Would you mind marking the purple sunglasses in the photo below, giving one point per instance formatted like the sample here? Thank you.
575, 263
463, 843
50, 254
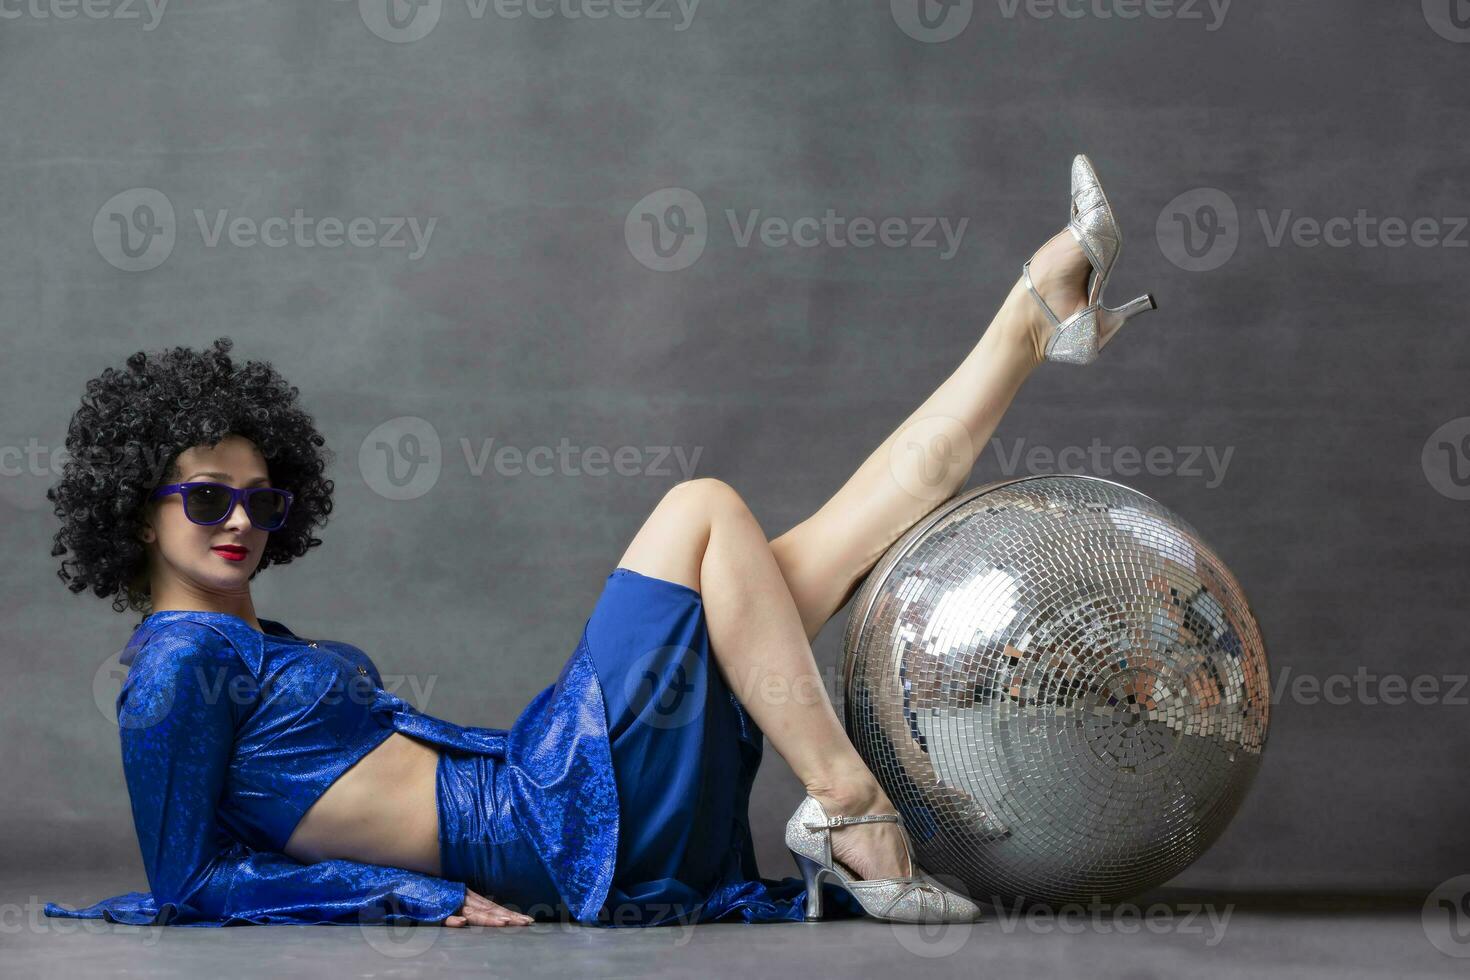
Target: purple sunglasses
210, 503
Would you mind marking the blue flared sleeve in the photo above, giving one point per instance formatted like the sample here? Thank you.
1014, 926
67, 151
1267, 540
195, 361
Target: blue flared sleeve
177, 715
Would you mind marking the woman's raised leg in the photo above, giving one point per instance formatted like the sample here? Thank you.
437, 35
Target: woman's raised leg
928, 458
764, 600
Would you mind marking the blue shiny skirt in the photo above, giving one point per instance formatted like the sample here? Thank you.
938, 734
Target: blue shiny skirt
685, 754
480, 842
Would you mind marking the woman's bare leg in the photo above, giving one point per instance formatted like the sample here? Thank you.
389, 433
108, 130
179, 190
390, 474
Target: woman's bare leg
928, 458
702, 535
763, 600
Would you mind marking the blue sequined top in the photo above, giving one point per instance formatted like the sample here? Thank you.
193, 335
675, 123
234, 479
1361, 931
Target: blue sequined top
229, 735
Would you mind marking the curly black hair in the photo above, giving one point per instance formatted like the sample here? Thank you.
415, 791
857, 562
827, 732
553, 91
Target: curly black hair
126, 438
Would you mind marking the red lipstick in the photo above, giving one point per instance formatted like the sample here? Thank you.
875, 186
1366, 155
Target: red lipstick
230, 552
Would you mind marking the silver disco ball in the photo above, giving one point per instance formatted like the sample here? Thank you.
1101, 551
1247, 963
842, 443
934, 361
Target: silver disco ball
1060, 686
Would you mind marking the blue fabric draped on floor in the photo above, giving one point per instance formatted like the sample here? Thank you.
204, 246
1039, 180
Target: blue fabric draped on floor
685, 754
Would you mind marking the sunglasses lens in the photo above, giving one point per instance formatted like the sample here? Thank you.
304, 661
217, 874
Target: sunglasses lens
205, 505
267, 509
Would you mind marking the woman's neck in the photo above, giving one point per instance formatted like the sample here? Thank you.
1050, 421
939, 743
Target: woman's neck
180, 595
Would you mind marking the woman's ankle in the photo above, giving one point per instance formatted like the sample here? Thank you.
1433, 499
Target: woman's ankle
850, 794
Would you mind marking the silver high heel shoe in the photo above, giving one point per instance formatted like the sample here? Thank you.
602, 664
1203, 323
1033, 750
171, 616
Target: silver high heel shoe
917, 898
1078, 339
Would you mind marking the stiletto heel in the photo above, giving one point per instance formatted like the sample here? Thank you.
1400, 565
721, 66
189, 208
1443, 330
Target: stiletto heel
811, 875
1078, 339
1135, 306
916, 898
1113, 320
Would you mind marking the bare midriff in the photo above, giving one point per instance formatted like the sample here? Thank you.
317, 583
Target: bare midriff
384, 810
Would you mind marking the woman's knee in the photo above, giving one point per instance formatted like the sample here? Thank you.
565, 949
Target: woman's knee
672, 542
708, 493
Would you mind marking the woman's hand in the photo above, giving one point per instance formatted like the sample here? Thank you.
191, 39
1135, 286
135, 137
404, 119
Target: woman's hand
478, 910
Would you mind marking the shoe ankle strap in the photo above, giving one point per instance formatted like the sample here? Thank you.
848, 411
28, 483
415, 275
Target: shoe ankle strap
1031, 288
843, 821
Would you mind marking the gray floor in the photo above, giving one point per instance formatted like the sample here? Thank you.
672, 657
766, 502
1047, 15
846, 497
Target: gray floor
1249, 935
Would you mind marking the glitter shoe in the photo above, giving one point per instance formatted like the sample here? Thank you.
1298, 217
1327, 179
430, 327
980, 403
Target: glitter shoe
917, 898
1078, 339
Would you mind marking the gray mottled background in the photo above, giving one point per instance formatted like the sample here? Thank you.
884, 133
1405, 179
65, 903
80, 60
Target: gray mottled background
1333, 374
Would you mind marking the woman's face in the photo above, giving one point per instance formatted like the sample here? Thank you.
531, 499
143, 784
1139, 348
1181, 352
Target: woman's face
183, 555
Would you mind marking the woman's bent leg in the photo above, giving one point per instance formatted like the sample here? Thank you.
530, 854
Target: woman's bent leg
703, 536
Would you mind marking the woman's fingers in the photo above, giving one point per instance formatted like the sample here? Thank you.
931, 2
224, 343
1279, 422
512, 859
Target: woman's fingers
501, 918
481, 911
496, 916
496, 911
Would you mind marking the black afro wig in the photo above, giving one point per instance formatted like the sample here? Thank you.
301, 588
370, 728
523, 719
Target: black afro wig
125, 440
